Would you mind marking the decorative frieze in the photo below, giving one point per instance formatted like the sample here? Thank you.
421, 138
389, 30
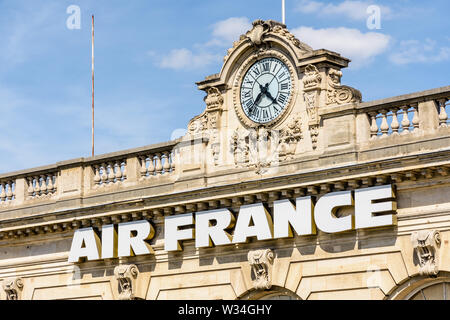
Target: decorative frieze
13, 288
126, 276
261, 262
426, 245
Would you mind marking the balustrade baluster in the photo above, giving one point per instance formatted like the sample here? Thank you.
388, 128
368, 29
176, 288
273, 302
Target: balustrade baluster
405, 120
30, 189
373, 126
104, 174
50, 186
118, 165
37, 187
3, 194
158, 163
111, 174
143, 170
172, 161
394, 124
44, 184
166, 165
97, 177
415, 119
442, 113
9, 193
384, 124
151, 166
124, 172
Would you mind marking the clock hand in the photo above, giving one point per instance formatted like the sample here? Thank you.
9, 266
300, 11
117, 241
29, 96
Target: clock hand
270, 97
258, 98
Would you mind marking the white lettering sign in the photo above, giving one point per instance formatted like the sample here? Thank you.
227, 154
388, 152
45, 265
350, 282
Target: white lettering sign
372, 207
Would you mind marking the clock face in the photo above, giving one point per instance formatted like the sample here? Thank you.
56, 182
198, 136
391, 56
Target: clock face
266, 90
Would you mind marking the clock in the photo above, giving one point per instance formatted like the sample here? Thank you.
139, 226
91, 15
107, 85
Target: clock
266, 90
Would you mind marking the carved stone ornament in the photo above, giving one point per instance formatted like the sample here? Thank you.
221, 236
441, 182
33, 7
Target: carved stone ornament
426, 245
312, 87
261, 262
289, 138
255, 148
207, 124
261, 30
13, 288
126, 276
337, 93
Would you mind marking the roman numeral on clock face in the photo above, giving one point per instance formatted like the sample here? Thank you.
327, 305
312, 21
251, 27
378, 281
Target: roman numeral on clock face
284, 86
282, 98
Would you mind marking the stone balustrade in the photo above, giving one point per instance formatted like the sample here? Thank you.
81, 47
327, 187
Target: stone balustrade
421, 112
110, 172
156, 164
41, 185
394, 121
7, 191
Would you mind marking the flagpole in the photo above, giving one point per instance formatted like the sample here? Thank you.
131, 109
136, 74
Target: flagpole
92, 85
283, 11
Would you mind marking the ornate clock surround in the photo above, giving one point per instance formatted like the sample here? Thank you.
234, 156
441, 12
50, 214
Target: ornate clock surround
259, 54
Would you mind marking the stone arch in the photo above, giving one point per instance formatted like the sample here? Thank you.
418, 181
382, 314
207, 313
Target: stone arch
274, 293
423, 288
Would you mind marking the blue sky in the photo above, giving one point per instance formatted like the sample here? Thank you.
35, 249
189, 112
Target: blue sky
149, 54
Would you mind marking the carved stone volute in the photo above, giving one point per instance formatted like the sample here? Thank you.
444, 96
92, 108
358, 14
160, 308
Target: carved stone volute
426, 245
126, 275
13, 288
340, 94
261, 262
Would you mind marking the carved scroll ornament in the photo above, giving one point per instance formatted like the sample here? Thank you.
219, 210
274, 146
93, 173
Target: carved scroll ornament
340, 94
126, 276
426, 246
13, 288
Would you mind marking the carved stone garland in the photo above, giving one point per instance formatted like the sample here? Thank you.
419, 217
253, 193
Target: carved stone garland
126, 276
261, 262
13, 288
426, 246
311, 84
337, 93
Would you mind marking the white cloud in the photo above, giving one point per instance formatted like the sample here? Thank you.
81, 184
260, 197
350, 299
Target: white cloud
224, 33
356, 10
229, 30
360, 47
183, 58
414, 51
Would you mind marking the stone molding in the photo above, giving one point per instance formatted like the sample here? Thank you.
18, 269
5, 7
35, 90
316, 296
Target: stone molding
426, 245
126, 276
261, 262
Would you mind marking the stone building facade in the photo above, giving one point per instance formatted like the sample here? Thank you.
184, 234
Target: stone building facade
307, 137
